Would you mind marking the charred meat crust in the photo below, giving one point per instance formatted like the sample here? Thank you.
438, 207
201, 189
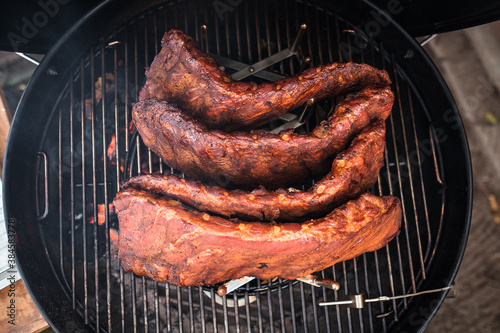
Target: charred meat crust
353, 171
188, 77
166, 241
254, 158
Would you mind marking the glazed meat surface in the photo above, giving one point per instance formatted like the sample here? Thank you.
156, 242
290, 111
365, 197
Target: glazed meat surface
188, 77
353, 171
257, 157
161, 239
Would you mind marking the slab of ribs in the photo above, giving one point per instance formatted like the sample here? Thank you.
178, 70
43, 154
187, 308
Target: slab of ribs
352, 172
235, 213
190, 78
164, 240
255, 157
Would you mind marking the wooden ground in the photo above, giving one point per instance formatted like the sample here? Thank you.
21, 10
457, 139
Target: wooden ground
470, 62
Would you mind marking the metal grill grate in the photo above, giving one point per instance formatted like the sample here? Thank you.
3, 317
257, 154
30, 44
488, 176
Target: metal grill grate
95, 148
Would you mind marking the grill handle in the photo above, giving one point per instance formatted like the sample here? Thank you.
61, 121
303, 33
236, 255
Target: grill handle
42, 173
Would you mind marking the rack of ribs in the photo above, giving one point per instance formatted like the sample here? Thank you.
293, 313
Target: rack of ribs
257, 157
164, 240
353, 171
184, 75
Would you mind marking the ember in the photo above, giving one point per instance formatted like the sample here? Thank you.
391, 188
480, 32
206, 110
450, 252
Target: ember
101, 213
111, 148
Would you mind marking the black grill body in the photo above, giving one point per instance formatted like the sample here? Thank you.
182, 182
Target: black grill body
59, 180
